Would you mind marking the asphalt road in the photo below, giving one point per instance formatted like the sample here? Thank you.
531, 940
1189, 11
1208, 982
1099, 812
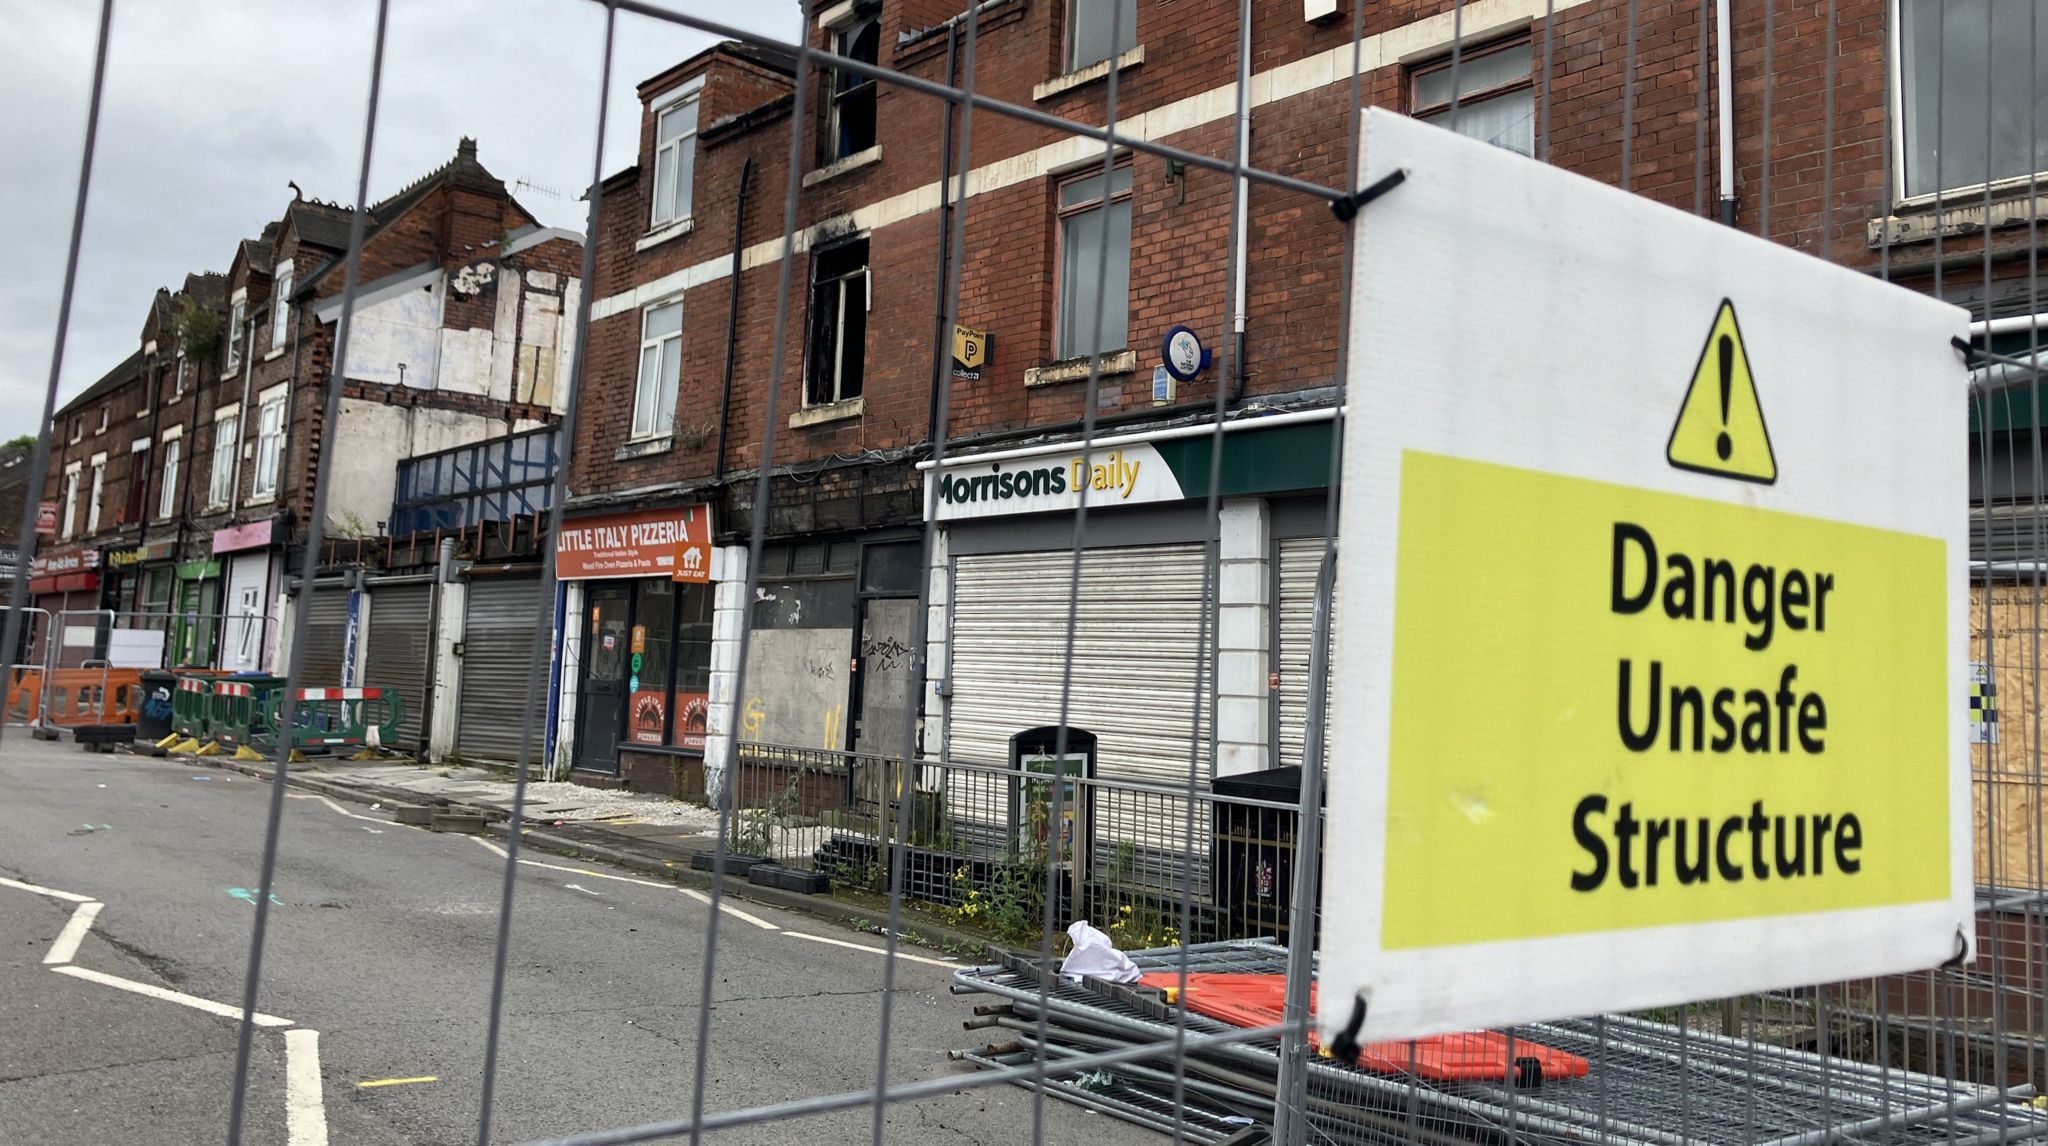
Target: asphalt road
381, 941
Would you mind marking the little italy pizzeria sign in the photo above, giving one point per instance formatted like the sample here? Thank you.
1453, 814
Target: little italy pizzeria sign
673, 543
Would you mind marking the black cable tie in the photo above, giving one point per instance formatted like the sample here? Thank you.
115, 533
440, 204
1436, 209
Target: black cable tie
1345, 207
1962, 950
1964, 348
1344, 1048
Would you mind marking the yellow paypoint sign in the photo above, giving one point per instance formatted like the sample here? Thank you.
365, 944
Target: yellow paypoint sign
1636, 699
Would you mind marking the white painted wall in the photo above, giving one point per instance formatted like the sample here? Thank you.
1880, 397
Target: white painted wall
571, 636
406, 328
447, 668
376, 438
728, 614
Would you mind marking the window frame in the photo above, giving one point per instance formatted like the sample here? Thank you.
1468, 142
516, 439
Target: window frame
1900, 158
269, 444
1062, 213
73, 471
106, 416
167, 496
1464, 56
99, 490
838, 352
178, 386
659, 343
227, 423
1070, 46
280, 302
669, 103
135, 511
238, 313
843, 37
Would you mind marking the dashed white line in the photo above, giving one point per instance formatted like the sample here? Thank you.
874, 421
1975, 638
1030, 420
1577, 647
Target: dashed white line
905, 955
73, 934
305, 1115
167, 995
53, 893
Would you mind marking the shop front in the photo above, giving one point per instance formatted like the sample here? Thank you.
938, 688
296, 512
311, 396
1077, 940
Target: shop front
637, 601
65, 583
1147, 616
248, 638
195, 613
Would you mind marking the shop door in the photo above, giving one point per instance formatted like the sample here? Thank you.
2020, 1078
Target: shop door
326, 634
601, 695
500, 624
888, 676
399, 645
244, 629
197, 602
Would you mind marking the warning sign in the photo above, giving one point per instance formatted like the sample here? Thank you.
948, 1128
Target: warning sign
1707, 735
1720, 428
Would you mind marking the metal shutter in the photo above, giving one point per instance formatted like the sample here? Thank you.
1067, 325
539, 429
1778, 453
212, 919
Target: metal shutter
1137, 648
1300, 559
399, 644
498, 629
326, 606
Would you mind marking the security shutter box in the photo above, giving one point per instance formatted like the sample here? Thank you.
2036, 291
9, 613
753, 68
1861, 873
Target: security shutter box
501, 620
326, 634
1136, 664
400, 644
1301, 558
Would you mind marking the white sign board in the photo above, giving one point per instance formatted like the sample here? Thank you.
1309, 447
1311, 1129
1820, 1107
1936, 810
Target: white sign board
1650, 672
135, 648
1110, 475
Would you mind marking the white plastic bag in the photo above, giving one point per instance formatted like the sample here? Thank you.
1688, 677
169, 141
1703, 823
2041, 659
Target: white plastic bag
1095, 955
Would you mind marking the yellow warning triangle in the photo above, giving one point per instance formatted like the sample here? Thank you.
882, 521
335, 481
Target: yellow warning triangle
1720, 428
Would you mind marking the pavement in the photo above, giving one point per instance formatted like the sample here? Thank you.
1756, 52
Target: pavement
377, 972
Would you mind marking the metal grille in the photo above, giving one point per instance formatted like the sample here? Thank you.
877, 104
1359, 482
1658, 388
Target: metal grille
1947, 1055
498, 632
398, 648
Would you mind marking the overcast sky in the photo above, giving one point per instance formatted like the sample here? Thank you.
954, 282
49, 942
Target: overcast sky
211, 106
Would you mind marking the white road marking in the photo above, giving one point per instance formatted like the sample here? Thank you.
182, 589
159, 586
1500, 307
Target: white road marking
52, 892
305, 1117
338, 809
876, 950
167, 995
579, 887
693, 893
73, 934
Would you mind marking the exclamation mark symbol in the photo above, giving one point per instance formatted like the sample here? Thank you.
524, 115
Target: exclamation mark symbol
1725, 445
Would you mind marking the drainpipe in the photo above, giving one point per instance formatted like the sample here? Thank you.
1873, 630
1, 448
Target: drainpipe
1724, 53
732, 313
1244, 159
941, 337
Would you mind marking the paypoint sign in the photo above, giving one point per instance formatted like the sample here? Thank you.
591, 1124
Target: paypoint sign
1653, 691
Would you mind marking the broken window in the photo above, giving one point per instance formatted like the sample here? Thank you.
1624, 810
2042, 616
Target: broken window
839, 324
853, 94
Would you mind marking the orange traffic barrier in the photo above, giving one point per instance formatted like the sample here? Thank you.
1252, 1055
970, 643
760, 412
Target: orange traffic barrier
93, 696
24, 694
1253, 1000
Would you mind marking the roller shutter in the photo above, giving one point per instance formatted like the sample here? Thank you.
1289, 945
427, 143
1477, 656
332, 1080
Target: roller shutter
498, 628
1300, 559
326, 634
399, 645
1136, 657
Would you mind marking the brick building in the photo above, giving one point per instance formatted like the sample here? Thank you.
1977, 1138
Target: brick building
183, 478
679, 371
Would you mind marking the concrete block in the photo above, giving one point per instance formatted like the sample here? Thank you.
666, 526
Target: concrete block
1242, 627
461, 822
417, 815
1244, 583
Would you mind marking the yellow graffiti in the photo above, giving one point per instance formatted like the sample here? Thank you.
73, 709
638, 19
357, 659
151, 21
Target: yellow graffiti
835, 726
750, 723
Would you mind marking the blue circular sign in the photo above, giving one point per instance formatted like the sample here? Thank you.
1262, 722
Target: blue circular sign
1183, 354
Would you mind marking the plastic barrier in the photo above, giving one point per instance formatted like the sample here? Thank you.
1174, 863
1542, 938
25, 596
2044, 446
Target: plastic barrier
189, 704
78, 697
1254, 1000
240, 716
24, 694
324, 719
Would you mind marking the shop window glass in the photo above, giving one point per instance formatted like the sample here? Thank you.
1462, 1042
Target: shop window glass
893, 568
647, 667
692, 666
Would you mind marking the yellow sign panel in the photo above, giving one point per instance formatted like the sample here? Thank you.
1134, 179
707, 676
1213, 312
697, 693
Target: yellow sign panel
1720, 427
1615, 708
970, 352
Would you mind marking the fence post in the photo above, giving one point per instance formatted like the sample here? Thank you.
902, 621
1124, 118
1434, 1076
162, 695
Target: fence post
1290, 1126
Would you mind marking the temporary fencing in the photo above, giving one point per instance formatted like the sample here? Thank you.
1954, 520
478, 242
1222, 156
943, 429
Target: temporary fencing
1948, 1055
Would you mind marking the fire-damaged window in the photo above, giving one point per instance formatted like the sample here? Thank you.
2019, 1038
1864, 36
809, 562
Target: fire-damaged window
839, 324
853, 94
